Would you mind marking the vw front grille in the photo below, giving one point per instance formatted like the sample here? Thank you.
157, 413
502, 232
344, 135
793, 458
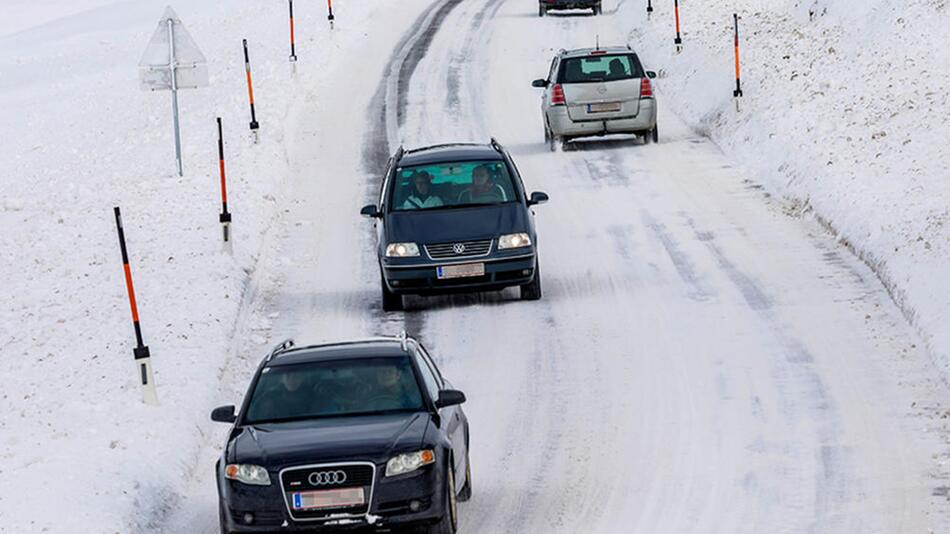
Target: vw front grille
459, 249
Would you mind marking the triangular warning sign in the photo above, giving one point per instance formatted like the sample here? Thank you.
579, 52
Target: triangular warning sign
190, 70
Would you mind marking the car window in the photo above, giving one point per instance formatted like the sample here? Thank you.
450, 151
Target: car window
333, 389
429, 375
451, 185
601, 68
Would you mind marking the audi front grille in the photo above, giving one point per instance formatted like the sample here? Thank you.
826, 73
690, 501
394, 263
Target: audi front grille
328, 477
459, 249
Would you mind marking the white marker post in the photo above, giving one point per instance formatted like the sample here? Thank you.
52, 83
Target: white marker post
172, 61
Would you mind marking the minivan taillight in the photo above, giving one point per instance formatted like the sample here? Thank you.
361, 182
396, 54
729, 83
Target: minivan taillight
646, 88
557, 95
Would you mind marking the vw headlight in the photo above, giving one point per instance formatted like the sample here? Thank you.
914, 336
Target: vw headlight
254, 475
514, 241
409, 462
402, 250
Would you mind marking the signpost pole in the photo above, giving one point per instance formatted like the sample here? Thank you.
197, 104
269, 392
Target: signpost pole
678, 41
737, 94
172, 68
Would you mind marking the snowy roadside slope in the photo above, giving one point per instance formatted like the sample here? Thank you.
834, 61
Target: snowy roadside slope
78, 138
845, 116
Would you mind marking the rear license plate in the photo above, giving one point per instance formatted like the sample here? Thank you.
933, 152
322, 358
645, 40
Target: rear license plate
335, 498
460, 271
604, 107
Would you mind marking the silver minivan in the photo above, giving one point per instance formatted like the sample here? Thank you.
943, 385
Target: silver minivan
597, 91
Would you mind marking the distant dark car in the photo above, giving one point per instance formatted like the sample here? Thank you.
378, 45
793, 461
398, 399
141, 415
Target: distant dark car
549, 5
360, 435
455, 218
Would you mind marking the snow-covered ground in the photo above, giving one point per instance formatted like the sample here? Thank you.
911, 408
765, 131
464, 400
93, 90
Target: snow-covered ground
704, 360
844, 114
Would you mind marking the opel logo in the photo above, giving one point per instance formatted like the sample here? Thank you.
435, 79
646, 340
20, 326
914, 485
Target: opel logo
459, 248
602, 90
327, 478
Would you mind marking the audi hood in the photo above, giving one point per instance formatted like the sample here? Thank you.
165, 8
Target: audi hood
276, 445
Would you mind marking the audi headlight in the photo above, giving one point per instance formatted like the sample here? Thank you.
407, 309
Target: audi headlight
402, 250
514, 241
409, 462
254, 475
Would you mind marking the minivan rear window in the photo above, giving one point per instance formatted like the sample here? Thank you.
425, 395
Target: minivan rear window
600, 68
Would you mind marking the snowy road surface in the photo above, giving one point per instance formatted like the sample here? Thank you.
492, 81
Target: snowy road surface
702, 360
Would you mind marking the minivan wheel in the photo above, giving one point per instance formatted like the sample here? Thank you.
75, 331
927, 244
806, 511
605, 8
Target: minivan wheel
532, 290
391, 301
598, 9
541, 11
466, 492
448, 524
656, 134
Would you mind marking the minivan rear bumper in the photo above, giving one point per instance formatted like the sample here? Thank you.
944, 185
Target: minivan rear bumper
561, 124
422, 278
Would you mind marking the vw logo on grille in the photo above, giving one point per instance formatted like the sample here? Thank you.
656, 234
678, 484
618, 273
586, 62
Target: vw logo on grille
327, 478
458, 248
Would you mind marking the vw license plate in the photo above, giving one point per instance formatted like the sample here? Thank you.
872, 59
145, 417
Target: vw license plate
335, 498
604, 107
460, 271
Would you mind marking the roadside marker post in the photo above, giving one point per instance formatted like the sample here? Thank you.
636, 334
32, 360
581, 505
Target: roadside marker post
172, 61
649, 9
143, 360
330, 11
225, 217
737, 94
250, 94
293, 50
678, 41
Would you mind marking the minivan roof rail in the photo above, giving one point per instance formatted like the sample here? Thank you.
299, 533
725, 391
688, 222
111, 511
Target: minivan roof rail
283, 346
496, 145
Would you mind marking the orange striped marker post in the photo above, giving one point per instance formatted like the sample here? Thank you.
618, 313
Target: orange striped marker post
293, 51
330, 10
250, 93
225, 217
143, 360
649, 9
738, 92
678, 41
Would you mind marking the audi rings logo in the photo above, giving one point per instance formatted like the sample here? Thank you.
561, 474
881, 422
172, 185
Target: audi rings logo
327, 478
458, 248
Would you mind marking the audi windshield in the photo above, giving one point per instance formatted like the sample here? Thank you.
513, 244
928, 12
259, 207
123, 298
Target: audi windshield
452, 185
337, 388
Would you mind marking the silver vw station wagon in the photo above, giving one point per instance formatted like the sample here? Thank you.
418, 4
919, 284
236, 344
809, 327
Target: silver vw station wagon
597, 91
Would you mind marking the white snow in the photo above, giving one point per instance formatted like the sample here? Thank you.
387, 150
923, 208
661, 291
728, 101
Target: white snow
702, 360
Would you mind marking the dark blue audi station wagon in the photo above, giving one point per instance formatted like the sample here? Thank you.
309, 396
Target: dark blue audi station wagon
455, 218
363, 435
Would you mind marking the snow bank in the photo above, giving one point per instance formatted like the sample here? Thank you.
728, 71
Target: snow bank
79, 138
845, 115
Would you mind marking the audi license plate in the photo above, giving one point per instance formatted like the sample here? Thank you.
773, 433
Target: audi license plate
335, 498
604, 107
465, 270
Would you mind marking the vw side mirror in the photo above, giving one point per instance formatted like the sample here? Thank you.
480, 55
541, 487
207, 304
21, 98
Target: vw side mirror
449, 397
370, 211
538, 197
539, 83
651, 74
224, 414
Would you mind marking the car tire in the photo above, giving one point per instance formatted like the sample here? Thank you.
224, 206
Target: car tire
532, 290
541, 11
598, 9
466, 493
448, 524
655, 134
391, 301
553, 141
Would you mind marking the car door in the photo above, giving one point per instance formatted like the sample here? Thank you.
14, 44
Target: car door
452, 420
552, 79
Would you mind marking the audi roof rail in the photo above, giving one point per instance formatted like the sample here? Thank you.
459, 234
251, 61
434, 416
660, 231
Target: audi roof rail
283, 346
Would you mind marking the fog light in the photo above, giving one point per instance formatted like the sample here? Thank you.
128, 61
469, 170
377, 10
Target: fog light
526, 272
415, 506
248, 518
394, 283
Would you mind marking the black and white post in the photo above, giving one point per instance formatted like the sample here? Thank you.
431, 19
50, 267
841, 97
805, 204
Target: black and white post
143, 360
330, 12
649, 9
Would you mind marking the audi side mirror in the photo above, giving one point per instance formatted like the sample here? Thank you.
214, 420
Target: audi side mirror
224, 414
449, 397
370, 211
651, 74
538, 197
539, 83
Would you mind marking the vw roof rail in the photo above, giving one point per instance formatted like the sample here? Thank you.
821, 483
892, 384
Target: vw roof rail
283, 346
496, 145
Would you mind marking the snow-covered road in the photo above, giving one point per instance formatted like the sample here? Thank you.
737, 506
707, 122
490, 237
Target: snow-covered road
702, 360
